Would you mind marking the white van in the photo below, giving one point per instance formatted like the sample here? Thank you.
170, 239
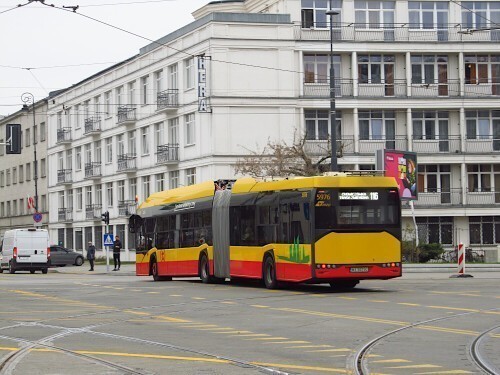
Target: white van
25, 250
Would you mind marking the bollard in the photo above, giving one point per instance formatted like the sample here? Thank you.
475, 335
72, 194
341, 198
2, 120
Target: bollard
461, 262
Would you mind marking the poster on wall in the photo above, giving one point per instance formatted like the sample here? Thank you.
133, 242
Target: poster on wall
402, 165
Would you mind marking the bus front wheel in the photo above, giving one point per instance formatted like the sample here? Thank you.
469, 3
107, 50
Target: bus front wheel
270, 273
155, 272
205, 270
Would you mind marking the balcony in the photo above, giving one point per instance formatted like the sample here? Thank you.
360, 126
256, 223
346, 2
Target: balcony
320, 88
369, 146
437, 145
92, 125
64, 176
481, 89
395, 89
483, 198
167, 100
65, 215
167, 154
63, 136
127, 163
93, 170
439, 198
450, 88
93, 212
360, 32
127, 207
321, 147
482, 144
126, 115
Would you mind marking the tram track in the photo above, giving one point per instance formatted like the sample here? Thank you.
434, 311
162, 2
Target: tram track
359, 359
477, 357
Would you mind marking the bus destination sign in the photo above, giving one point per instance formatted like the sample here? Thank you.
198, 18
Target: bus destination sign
359, 195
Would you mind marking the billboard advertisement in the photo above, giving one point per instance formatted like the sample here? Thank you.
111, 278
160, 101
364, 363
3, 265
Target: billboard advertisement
402, 165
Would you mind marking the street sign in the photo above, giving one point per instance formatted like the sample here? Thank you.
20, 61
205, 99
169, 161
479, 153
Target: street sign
13, 139
37, 217
108, 239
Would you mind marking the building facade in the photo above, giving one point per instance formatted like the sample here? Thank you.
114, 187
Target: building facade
418, 76
17, 171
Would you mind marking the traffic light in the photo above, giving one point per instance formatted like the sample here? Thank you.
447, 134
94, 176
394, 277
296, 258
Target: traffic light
105, 217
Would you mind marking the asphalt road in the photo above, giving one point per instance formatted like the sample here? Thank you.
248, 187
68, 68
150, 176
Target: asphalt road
72, 321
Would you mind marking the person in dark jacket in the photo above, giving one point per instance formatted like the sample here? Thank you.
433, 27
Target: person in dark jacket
91, 255
117, 247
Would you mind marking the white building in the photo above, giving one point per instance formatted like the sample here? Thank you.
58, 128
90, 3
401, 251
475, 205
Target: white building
408, 76
17, 171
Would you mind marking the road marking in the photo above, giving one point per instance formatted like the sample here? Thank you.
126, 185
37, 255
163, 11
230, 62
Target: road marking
317, 295
153, 292
323, 369
329, 350
231, 332
200, 326
408, 304
287, 342
252, 335
175, 295
309, 346
267, 338
451, 372
217, 329
453, 308
377, 301
9, 349
449, 330
348, 298
392, 361
260, 306
416, 366
229, 303
170, 319
197, 298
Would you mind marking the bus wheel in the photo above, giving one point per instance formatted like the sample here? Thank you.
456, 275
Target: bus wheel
11, 267
205, 270
154, 271
345, 284
270, 274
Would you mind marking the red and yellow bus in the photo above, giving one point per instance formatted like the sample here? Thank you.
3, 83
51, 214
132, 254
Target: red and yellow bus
336, 229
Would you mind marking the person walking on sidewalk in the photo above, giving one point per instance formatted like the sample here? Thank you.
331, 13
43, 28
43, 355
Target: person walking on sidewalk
117, 247
91, 255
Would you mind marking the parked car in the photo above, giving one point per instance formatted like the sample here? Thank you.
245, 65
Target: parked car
25, 250
60, 257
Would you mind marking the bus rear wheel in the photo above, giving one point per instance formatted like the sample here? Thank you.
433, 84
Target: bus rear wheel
205, 270
269, 273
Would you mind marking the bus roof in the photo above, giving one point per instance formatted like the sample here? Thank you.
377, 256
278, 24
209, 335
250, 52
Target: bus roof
248, 184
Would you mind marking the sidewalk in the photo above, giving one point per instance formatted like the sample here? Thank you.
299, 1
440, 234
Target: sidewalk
127, 269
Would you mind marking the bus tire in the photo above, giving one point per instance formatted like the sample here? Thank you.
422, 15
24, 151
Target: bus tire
205, 270
154, 272
12, 268
344, 284
269, 273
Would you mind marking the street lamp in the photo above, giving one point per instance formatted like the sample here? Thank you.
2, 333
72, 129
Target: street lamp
333, 118
29, 98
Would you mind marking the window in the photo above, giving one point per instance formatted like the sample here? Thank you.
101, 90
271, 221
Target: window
7, 177
190, 137
21, 173
434, 178
483, 69
97, 106
435, 230
160, 182
2, 152
42, 131
189, 71
482, 177
59, 120
428, 15
14, 208
317, 68
43, 168
69, 120
109, 194
146, 187
314, 13
131, 143
61, 199
69, 200
120, 144
107, 103
78, 158
158, 82
158, 134
2, 179
2, 209
28, 172
78, 120
14, 175
8, 209
132, 188
60, 161
172, 77
119, 97
173, 131
144, 90
430, 124
429, 69
174, 179
88, 195
22, 208
86, 109
377, 125
69, 159
98, 195
480, 14
27, 138
88, 153
318, 124
131, 93
109, 150
121, 191
484, 124
145, 140
484, 230
374, 14
190, 176
376, 69
79, 198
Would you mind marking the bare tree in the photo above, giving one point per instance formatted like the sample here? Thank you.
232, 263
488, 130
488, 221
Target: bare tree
280, 159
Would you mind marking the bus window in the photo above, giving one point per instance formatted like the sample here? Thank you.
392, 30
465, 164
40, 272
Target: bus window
243, 225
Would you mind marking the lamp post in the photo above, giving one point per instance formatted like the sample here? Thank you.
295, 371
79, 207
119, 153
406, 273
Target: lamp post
333, 118
29, 98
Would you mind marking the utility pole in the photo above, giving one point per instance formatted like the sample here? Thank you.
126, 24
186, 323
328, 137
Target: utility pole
28, 98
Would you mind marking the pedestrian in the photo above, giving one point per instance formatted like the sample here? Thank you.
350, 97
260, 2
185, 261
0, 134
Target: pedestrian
117, 247
91, 255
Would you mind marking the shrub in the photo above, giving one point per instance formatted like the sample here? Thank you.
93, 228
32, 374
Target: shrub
429, 251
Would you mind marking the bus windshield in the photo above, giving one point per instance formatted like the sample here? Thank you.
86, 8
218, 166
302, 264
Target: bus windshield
340, 208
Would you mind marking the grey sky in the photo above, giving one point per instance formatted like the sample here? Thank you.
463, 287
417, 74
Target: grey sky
64, 47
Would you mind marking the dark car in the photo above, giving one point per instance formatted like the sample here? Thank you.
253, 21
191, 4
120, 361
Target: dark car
60, 256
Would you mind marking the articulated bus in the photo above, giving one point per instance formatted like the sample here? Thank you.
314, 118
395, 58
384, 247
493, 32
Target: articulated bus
337, 229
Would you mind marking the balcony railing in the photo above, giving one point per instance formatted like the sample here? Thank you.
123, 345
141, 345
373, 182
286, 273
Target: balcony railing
482, 144
166, 154
483, 89
168, 99
362, 32
126, 115
93, 211
320, 88
92, 170
63, 135
127, 163
449, 88
127, 207
369, 146
397, 88
436, 145
483, 197
439, 198
64, 176
92, 125
320, 147
65, 214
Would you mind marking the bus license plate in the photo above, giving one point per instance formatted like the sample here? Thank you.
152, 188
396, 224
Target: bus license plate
359, 269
